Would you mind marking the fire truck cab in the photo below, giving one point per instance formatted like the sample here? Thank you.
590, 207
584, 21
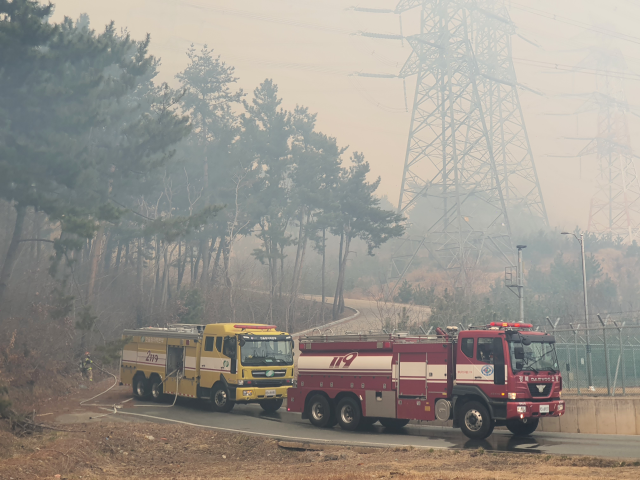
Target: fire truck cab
503, 374
224, 363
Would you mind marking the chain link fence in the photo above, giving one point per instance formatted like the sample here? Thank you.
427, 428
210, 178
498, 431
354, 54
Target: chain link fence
603, 359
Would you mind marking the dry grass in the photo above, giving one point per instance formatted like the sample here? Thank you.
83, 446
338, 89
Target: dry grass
142, 450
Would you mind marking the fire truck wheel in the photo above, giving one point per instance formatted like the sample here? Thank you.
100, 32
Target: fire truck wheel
271, 406
319, 412
349, 413
393, 423
475, 421
519, 428
220, 399
156, 388
141, 386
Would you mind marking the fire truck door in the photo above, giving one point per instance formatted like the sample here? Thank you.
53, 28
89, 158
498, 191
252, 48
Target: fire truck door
413, 374
175, 368
188, 385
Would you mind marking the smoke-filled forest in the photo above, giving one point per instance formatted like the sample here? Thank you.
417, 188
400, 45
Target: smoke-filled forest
129, 202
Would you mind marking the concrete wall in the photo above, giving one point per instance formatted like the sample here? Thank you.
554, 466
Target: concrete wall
602, 415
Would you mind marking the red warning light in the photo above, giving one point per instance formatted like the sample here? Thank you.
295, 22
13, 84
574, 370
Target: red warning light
510, 325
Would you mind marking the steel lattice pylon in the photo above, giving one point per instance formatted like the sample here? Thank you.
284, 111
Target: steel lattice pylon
492, 29
615, 207
468, 153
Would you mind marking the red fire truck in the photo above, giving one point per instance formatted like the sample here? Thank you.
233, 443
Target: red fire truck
503, 374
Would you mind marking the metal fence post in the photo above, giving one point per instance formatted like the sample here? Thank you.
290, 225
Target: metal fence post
620, 360
606, 353
575, 343
633, 354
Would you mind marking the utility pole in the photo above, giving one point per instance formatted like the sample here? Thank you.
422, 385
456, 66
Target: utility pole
521, 282
586, 308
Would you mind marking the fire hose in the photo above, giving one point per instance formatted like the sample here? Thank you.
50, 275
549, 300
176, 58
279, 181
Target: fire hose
115, 406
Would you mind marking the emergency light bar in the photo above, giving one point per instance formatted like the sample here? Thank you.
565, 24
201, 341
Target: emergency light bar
510, 325
255, 327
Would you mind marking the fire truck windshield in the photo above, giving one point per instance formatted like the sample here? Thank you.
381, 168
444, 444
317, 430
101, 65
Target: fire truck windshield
539, 354
257, 351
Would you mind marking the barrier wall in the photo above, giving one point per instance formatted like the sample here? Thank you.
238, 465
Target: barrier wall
615, 416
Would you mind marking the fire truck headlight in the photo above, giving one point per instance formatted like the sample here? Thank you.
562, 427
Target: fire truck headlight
522, 409
240, 382
560, 407
511, 396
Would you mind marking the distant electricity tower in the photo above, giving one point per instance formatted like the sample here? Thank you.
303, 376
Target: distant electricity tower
615, 206
468, 167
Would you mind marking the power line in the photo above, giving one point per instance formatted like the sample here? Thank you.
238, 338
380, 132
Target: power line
576, 23
570, 68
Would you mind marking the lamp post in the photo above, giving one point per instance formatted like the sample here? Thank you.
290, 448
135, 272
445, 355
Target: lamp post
586, 307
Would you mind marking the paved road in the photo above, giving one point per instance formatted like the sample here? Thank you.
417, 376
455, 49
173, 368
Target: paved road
372, 315
283, 425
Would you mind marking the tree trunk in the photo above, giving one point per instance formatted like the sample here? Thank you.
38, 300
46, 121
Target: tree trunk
336, 297
95, 257
225, 258
206, 260
127, 256
182, 264
12, 253
165, 279
324, 255
108, 253
139, 265
216, 262
298, 253
195, 267
118, 256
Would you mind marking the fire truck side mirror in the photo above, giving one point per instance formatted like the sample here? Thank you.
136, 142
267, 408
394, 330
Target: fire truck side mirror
518, 352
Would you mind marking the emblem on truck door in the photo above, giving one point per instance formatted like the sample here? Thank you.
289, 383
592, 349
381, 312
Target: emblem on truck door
345, 360
487, 370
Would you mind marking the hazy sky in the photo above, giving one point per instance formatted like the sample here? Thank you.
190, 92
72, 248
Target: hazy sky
309, 48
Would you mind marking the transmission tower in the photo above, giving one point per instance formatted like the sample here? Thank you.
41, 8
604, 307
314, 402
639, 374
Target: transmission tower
615, 206
468, 155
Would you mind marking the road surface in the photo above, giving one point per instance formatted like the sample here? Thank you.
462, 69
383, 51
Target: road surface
372, 315
250, 419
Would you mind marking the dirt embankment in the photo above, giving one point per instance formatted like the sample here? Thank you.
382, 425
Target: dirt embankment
161, 451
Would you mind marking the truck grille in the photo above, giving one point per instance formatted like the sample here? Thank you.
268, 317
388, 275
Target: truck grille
268, 383
263, 373
540, 392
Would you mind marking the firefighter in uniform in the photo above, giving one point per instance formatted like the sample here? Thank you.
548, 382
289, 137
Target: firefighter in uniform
86, 366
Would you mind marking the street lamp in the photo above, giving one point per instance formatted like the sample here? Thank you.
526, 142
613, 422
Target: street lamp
586, 307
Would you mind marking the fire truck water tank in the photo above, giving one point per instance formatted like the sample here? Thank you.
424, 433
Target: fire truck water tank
443, 409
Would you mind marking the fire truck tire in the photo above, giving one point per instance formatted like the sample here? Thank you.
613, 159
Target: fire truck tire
475, 421
221, 399
320, 413
157, 390
349, 413
141, 386
271, 406
393, 423
521, 429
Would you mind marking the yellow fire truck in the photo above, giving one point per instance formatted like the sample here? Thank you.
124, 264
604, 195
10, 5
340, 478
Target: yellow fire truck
223, 363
